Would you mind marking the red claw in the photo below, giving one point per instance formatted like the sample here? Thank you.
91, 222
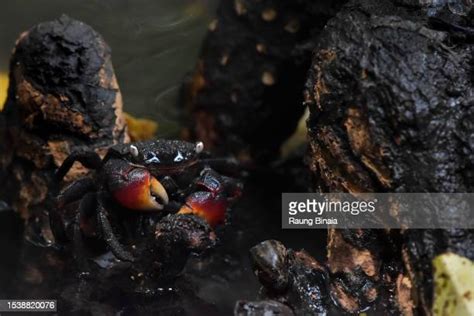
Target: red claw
207, 206
139, 190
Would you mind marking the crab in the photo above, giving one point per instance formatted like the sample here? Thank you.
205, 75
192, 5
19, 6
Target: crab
156, 177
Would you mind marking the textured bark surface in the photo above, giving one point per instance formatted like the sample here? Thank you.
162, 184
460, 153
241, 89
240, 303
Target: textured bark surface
63, 97
246, 92
391, 99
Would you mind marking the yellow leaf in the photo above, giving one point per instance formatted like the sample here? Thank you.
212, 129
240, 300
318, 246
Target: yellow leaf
195, 9
3, 88
454, 285
297, 139
140, 129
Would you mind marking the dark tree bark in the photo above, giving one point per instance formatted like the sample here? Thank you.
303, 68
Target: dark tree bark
391, 95
246, 92
63, 97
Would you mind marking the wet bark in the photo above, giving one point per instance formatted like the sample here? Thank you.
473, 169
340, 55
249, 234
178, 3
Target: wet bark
63, 97
245, 95
390, 94
290, 277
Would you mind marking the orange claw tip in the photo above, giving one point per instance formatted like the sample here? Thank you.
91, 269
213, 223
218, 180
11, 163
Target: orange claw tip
204, 205
141, 192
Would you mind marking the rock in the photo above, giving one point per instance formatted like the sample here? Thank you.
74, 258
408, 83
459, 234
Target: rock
63, 97
307, 290
292, 277
163, 255
270, 264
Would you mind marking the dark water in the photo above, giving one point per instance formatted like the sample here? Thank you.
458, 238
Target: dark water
154, 44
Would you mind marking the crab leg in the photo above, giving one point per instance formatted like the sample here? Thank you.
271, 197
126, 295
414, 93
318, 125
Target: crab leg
89, 159
78, 244
110, 239
230, 166
75, 191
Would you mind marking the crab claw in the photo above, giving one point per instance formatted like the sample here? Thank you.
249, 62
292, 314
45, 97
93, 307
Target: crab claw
207, 206
139, 190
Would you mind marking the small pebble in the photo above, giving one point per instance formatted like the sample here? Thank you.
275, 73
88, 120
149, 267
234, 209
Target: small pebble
261, 48
234, 98
269, 15
224, 59
268, 79
292, 26
213, 25
240, 8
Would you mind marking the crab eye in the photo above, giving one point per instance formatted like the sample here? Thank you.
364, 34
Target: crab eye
150, 157
199, 147
179, 157
133, 150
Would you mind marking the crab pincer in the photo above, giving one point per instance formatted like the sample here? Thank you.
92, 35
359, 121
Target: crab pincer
213, 199
136, 188
206, 206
